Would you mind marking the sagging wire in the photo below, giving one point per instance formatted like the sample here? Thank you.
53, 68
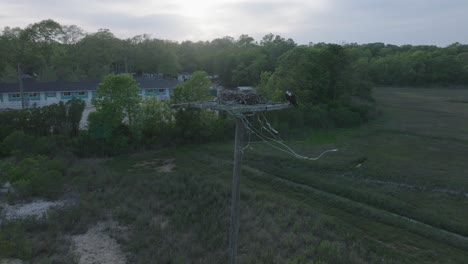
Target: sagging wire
283, 147
248, 143
269, 128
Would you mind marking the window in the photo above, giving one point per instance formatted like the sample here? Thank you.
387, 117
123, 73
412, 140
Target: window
14, 97
51, 94
162, 90
33, 95
149, 90
82, 93
66, 93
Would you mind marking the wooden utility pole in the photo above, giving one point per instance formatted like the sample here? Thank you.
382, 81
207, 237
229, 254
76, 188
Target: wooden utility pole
236, 173
20, 81
235, 110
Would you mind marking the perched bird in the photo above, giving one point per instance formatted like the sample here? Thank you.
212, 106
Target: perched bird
291, 98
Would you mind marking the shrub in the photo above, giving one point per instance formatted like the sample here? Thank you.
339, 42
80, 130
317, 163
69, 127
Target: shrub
62, 118
13, 242
23, 144
35, 175
317, 116
344, 117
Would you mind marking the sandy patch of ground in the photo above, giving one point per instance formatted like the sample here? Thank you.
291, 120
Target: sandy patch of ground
97, 246
35, 208
161, 165
11, 261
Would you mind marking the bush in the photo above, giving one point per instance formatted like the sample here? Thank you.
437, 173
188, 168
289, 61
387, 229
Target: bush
86, 145
14, 243
3, 151
366, 112
22, 144
334, 114
62, 118
35, 176
317, 116
344, 117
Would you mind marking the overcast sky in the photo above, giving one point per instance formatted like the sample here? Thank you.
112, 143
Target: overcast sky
434, 22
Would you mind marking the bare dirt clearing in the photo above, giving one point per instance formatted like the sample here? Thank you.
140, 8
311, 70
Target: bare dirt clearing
161, 165
11, 261
36, 208
97, 246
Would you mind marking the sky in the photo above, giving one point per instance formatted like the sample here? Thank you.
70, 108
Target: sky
399, 22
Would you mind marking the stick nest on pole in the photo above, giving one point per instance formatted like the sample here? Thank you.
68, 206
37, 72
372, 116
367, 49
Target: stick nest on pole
240, 97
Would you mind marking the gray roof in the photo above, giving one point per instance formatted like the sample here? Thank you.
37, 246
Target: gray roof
59, 86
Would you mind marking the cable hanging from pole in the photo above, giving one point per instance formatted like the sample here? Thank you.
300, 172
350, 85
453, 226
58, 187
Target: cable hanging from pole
280, 145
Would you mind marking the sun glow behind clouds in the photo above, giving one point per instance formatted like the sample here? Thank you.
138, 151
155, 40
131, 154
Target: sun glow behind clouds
207, 19
233, 17
362, 21
175, 19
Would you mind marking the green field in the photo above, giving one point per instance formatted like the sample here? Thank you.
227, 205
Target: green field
396, 192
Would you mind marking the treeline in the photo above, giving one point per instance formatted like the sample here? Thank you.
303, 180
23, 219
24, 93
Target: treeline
50, 51
414, 65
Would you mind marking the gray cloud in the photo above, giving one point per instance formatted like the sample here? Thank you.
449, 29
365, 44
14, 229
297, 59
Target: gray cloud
398, 22
91, 15
436, 22
158, 25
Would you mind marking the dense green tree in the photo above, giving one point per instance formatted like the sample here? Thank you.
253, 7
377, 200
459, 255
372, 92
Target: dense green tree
72, 34
117, 99
250, 63
196, 88
193, 124
189, 56
96, 53
245, 41
157, 121
75, 108
18, 49
275, 46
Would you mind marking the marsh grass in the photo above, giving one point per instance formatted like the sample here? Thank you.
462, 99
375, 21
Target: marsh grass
292, 211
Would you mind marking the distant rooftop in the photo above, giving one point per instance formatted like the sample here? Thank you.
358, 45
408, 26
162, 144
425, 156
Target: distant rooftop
59, 86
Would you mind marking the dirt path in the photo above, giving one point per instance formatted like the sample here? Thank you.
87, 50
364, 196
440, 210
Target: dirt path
96, 246
84, 117
11, 261
35, 208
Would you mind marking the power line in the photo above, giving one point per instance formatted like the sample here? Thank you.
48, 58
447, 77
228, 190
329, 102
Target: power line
281, 146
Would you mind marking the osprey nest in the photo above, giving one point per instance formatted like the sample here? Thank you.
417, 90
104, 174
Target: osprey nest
240, 97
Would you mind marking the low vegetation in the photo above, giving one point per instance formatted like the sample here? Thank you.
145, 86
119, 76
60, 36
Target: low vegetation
343, 208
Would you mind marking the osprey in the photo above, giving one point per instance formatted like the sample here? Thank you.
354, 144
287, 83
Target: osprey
291, 98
